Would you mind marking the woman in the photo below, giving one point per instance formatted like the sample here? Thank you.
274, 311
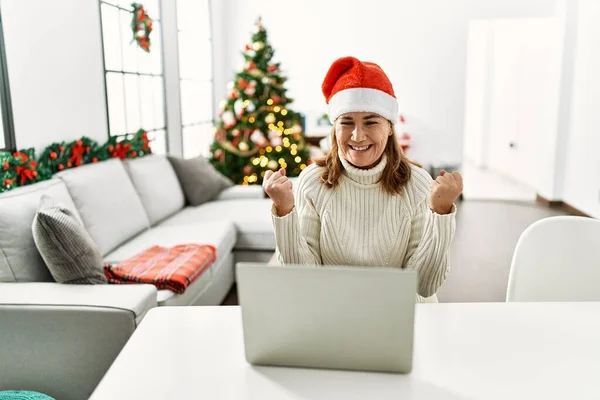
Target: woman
365, 204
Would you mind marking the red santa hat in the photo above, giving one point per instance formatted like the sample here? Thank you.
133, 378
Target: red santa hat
352, 85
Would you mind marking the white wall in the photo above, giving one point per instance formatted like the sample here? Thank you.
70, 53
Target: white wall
480, 50
421, 45
55, 68
582, 178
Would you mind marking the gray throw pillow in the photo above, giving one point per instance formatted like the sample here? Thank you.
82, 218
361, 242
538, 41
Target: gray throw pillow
67, 249
200, 181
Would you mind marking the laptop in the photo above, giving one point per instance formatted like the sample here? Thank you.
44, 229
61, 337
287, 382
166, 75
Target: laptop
331, 317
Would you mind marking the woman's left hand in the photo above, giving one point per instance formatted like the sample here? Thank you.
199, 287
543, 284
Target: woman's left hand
444, 191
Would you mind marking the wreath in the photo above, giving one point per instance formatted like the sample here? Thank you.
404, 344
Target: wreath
141, 25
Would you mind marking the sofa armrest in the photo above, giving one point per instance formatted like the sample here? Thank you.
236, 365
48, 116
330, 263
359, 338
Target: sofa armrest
137, 299
61, 339
241, 192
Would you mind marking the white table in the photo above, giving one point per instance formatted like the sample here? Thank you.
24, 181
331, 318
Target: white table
462, 351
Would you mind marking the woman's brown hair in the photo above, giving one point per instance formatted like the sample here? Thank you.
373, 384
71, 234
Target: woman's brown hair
396, 173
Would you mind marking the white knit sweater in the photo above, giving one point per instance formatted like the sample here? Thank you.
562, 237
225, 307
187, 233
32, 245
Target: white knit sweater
359, 224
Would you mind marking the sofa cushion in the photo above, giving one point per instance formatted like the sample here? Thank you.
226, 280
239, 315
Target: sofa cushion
200, 181
251, 217
68, 250
20, 260
220, 234
157, 185
107, 201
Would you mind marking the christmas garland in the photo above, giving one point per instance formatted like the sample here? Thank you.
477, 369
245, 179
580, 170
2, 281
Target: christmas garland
141, 25
21, 167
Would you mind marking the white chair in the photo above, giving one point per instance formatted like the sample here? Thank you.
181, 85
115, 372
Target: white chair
557, 259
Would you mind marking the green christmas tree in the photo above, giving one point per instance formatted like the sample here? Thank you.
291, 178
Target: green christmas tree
256, 130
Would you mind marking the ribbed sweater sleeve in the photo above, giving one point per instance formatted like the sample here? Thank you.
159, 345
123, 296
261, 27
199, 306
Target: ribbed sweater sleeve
297, 233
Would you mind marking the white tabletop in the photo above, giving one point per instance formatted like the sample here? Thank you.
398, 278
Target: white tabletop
462, 351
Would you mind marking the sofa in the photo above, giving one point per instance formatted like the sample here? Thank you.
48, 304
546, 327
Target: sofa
60, 339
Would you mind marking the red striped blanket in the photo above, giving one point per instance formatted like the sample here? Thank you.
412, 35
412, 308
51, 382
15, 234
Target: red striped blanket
173, 268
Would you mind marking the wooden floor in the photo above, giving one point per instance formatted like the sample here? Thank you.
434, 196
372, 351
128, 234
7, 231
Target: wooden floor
486, 235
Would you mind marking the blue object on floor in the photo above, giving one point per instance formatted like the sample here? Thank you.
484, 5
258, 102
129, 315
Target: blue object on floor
23, 395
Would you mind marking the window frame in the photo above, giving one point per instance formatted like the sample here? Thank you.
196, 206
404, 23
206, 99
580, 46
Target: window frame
210, 80
10, 142
124, 73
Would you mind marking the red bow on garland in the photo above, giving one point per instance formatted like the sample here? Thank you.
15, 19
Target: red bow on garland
26, 171
77, 152
121, 150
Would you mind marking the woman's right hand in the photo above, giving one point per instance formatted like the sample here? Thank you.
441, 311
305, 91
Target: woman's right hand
279, 188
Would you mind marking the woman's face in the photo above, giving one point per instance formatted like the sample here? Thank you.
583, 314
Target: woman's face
362, 137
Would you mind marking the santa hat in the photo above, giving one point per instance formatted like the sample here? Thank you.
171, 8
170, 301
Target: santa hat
352, 85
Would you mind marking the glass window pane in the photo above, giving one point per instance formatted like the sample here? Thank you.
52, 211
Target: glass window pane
196, 102
197, 140
158, 141
116, 103
110, 34
146, 60
156, 48
159, 105
195, 57
147, 102
130, 47
132, 103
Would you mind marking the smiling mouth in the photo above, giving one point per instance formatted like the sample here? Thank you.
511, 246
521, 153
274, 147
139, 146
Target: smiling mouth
360, 148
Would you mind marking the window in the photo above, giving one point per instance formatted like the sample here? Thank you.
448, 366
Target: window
134, 78
195, 72
7, 132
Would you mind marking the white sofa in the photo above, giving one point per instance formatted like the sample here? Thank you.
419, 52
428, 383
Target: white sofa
60, 339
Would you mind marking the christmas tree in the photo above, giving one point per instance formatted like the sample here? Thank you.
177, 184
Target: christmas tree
256, 130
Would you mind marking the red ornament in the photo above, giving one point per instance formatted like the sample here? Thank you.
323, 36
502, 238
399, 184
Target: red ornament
251, 66
276, 99
272, 68
6, 165
53, 155
35, 174
242, 83
60, 167
87, 149
111, 148
61, 148
233, 94
69, 164
133, 154
248, 47
22, 156
247, 170
94, 160
141, 14
8, 182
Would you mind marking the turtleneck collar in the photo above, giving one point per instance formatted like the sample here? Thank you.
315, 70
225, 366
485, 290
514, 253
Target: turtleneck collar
364, 176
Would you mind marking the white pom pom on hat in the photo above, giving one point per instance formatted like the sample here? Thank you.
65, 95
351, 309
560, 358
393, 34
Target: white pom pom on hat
352, 85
